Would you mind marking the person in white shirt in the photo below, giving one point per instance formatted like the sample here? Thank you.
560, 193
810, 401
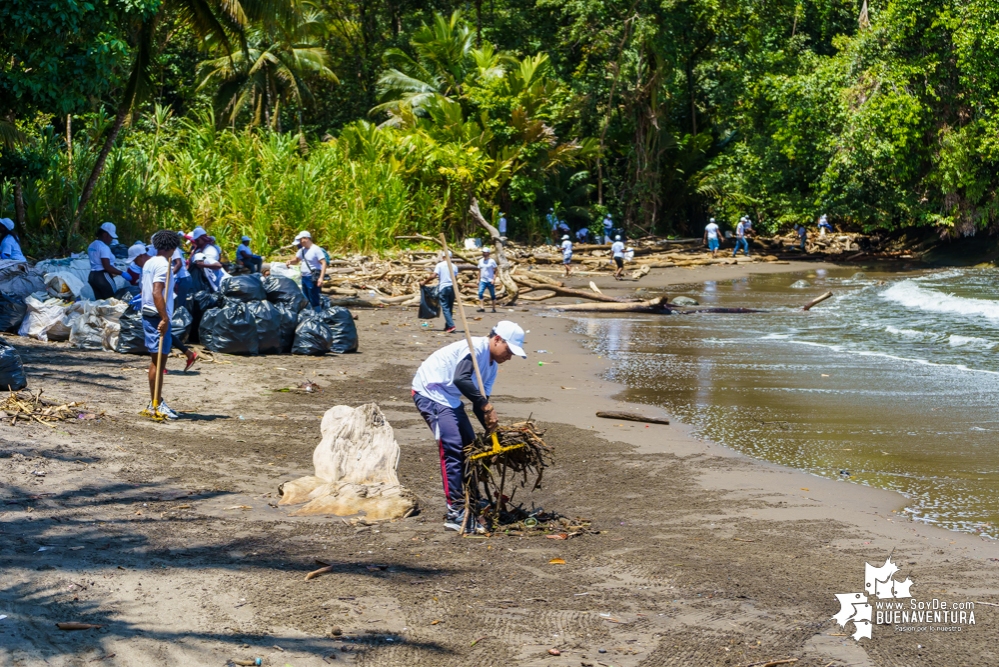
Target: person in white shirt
711, 237
608, 228
10, 244
207, 258
445, 291
314, 267
617, 250
502, 225
440, 382
246, 257
157, 309
487, 279
138, 253
740, 238
102, 271
567, 255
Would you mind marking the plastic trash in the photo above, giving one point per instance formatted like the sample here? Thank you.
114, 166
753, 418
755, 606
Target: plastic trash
87, 321
12, 312
430, 305
19, 278
243, 288
341, 324
312, 335
180, 324
12, 375
289, 322
201, 302
284, 291
63, 284
293, 273
44, 315
230, 329
131, 339
268, 321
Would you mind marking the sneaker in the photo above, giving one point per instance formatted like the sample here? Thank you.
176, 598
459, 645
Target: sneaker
453, 521
450, 329
480, 310
190, 362
163, 409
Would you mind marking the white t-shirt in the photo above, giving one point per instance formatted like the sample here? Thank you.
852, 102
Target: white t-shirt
502, 225
740, 230
566, 249
99, 250
179, 254
311, 259
618, 249
712, 230
487, 270
213, 256
443, 275
155, 271
435, 377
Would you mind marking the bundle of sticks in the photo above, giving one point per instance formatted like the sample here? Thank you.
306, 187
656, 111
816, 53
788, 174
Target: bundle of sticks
522, 460
26, 406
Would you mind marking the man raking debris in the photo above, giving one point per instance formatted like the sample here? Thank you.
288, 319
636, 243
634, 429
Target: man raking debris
157, 309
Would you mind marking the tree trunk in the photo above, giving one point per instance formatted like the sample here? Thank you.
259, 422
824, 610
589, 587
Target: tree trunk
567, 291
95, 173
657, 305
19, 204
69, 141
504, 263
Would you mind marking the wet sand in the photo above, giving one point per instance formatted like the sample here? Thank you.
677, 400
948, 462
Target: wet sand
705, 557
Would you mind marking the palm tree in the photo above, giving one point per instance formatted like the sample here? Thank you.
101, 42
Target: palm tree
221, 20
272, 69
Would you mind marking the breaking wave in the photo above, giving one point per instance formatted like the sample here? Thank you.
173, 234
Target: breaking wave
911, 295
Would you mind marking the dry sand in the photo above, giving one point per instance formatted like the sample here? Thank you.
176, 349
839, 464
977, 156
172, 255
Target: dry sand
170, 538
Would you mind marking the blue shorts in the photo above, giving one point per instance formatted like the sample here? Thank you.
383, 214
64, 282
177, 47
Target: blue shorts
567, 260
713, 244
152, 335
483, 286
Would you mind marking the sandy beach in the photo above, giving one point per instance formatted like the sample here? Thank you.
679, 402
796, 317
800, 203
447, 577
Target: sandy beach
169, 536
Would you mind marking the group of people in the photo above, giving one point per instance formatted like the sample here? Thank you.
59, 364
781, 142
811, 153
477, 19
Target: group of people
743, 232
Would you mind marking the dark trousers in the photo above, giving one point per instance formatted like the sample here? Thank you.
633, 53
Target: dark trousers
181, 291
102, 284
446, 296
311, 290
253, 262
452, 430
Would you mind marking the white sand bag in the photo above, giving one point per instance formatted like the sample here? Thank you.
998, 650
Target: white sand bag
42, 317
355, 469
19, 278
63, 284
282, 269
87, 321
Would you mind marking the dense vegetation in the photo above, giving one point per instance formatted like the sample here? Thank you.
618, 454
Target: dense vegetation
363, 120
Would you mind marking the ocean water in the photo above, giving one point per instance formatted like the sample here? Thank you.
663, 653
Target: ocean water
893, 382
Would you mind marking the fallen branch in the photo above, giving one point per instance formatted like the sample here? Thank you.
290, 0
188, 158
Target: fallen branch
819, 300
77, 626
566, 291
657, 305
632, 417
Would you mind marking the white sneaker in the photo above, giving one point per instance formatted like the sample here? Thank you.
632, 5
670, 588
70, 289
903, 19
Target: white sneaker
163, 409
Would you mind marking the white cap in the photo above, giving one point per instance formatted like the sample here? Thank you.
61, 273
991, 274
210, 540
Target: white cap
302, 235
198, 257
246, 239
565, 237
135, 250
513, 335
8, 223
712, 220
109, 228
617, 238
485, 251
198, 233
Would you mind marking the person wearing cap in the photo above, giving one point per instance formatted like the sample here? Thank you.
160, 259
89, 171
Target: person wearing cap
567, 254
157, 309
138, 253
740, 238
712, 236
10, 243
314, 266
438, 386
208, 258
617, 250
487, 279
582, 234
102, 271
445, 290
246, 257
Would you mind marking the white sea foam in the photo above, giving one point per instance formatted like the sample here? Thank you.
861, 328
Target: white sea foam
970, 341
906, 333
910, 295
885, 355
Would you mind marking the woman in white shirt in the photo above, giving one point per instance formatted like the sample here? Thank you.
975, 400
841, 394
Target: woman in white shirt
102, 271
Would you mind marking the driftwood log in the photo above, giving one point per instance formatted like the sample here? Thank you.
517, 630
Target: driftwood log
813, 302
502, 262
632, 417
657, 305
566, 291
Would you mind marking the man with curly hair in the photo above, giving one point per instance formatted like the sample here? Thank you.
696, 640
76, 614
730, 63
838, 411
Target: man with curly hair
157, 309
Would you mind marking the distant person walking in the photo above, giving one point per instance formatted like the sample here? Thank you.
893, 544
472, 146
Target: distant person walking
487, 279
567, 255
314, 267
740, 239
502, 226
10, 243
824, 225
711, 237
445, 290
802, 235
608, 228
102, 272
617, 250
246, 257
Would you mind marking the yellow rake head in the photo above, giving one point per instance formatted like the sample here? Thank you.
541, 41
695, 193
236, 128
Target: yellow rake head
496, 449
153, 414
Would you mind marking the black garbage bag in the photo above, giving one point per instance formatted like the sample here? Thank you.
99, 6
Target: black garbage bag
201, 302
268, 321
127, 292
12, 312
312, 335
283, 290
180, 325
289, 322
243, 288
430, 305
230, 329
199, 282
131, 339
341, 324
12, 377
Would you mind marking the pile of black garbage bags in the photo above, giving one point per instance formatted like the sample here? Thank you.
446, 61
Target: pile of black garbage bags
251, 314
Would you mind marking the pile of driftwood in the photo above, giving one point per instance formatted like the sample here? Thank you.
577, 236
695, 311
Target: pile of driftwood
25, 406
